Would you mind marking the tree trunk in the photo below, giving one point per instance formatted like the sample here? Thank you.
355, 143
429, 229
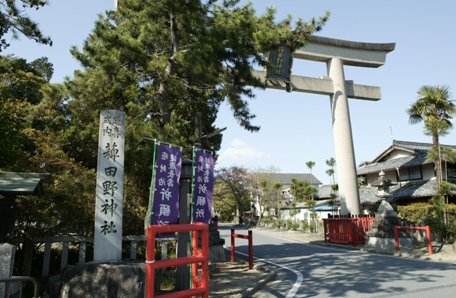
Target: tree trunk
169, 71
437, 163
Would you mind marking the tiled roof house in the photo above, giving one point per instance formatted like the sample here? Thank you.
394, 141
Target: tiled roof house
404, 163
285, 179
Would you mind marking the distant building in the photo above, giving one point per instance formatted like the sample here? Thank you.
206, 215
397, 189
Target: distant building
286, 180
405, 164
324, 205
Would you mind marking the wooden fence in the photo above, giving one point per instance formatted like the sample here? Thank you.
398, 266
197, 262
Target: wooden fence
349, 230
63, 244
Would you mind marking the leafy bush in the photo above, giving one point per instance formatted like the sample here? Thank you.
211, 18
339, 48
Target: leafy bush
288, 224
305, 225
438, 216
294, 226
267, 220
276, 224
417, 212
312, 227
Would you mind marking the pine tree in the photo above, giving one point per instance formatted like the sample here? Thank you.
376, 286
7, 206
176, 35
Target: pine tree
176, 58
14, 20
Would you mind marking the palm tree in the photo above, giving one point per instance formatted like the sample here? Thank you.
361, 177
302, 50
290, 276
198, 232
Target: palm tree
310, 164
434, 107
331, 163
330, 173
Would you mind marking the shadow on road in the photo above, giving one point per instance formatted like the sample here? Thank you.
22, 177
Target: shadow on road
330, 272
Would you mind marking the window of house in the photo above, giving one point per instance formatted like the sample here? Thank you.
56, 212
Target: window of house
451, 171
413, 173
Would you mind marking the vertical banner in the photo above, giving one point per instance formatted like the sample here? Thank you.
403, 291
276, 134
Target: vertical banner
204, 185
168, 165
109, 192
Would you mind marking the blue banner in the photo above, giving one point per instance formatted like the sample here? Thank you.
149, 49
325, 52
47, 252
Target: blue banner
166, 187
204, 185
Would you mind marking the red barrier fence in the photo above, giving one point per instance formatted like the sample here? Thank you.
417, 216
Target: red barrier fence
426, 228
347, 230
200, 285
249, 237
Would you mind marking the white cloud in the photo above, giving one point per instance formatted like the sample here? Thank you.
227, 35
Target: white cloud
241, 153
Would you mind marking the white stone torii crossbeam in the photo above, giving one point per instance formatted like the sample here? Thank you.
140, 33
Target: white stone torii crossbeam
336, 53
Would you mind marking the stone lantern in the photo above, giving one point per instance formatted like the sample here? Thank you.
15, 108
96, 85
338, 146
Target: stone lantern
383, 193
383, 186
381, 232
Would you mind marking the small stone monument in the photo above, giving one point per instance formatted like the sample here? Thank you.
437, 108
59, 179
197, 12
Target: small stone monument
216, 243
381, 233
7, 252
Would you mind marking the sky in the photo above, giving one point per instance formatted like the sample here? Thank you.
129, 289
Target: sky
296, 127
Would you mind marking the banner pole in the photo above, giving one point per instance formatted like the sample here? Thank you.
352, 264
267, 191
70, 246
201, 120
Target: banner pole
152, 184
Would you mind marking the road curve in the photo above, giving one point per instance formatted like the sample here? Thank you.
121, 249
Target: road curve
305, 270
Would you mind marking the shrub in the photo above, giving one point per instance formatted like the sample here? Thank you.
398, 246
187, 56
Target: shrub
294, 226
438, 216
276, 224
267, 220
305, 225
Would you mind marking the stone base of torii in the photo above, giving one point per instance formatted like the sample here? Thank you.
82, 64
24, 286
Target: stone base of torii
336, 53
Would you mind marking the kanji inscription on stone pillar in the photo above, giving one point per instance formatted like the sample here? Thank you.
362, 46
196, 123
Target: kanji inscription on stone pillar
109, 192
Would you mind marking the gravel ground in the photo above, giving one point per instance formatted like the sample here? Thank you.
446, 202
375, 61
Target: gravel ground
234, 280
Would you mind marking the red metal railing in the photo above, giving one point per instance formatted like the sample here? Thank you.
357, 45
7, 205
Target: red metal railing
426, 228
347, 230
249, 237
200, 285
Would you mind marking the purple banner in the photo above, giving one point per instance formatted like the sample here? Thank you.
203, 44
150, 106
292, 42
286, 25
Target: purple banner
166, 192
204, 184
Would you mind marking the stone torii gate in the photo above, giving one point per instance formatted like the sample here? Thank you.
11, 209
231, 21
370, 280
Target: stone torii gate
336, 53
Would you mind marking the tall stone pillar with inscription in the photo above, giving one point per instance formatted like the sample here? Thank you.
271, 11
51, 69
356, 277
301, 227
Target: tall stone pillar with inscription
109, 192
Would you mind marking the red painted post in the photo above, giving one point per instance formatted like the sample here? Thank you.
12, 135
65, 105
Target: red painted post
205, 263
351, 231
396, 236
199, 286
150, 259
428, 236
232, 246
249, 237
325, 223
194, 265
250, 250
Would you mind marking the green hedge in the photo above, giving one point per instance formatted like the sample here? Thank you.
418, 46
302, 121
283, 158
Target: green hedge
438, 216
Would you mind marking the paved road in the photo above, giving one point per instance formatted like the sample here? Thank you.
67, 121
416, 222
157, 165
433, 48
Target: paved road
305, 270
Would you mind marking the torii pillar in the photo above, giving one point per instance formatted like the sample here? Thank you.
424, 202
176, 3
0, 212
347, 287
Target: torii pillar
336, 53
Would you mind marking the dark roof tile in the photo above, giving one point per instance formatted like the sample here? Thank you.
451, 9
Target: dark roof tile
392, 164
285, 178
